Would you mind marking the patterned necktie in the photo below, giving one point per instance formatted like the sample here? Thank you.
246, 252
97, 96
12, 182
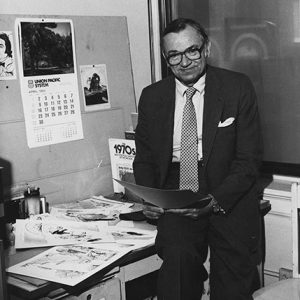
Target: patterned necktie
189, 145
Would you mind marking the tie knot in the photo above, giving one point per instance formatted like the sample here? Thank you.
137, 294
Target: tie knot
190, 92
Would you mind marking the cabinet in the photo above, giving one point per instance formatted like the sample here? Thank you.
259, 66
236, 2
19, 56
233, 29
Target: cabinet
110, 286
109, 289
281, 226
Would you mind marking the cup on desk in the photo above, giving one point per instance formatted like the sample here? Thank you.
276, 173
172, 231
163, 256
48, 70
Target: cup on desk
10, 237
32, 202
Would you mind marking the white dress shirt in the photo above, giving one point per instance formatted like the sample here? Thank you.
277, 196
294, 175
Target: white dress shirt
198, 101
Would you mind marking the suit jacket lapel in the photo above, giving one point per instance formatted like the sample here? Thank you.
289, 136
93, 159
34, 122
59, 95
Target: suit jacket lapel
165, 119
213, 106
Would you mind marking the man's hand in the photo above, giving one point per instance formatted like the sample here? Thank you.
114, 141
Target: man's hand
153, 212
193, 213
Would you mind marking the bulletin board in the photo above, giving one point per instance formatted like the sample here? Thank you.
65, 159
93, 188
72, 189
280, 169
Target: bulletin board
77, 169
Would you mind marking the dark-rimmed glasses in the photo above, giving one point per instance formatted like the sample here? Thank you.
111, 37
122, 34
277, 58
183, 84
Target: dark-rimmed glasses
192, 53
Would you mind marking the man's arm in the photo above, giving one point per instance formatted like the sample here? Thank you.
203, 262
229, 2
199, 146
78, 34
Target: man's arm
244, 168
143, 165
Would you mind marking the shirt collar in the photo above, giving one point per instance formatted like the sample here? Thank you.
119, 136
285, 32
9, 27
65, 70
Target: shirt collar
199, 85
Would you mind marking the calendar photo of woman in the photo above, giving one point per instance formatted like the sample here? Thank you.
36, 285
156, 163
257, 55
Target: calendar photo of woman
7, 64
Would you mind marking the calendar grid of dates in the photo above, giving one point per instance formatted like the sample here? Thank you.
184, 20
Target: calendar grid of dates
52, 115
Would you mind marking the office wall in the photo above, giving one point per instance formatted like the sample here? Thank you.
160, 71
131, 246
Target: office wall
136, 12
81, 177
77, 169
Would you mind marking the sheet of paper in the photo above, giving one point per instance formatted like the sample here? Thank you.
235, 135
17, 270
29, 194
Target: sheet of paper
30, 233
49, 231
96, 202
164, 198
132, 236
97, 208
70, 264
83, 215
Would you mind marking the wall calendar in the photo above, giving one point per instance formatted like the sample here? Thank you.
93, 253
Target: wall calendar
48, 78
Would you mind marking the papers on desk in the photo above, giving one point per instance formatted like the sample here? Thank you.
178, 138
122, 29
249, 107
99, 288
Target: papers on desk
96, 202
83, 215
133, 237
32, 233
69, 264
97, 208
88, 210
79, 249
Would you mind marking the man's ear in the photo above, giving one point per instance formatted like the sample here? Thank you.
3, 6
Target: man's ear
207, 49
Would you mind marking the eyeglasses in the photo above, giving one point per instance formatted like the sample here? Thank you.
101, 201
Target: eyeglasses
191, 53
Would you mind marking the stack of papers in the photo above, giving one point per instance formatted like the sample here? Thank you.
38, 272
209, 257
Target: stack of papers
96, 208
69, 264
82, 240
38, 233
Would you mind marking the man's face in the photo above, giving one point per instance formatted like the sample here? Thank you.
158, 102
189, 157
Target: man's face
188, 71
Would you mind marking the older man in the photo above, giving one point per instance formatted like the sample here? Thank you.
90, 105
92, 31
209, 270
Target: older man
199, 129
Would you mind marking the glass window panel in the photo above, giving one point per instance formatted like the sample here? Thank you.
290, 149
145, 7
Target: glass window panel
262, 39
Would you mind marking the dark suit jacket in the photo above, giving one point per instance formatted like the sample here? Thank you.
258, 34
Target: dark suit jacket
231, 154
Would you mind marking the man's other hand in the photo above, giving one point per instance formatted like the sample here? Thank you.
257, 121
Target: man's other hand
193, 213
153, 212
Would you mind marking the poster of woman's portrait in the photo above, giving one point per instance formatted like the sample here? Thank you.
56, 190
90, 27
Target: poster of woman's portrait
7, 64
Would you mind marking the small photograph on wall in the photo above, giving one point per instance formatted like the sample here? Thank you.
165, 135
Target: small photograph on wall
7, 59
95, 87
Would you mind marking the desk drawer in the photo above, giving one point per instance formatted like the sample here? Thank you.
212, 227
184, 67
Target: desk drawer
107, 290
141, 267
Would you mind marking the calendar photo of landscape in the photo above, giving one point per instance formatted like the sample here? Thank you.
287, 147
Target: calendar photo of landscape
47, 47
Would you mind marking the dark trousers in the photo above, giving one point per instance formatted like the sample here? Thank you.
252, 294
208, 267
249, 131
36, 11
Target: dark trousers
233, 264
182, 243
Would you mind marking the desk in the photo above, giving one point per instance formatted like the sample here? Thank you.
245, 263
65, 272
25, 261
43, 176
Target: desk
132, 266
